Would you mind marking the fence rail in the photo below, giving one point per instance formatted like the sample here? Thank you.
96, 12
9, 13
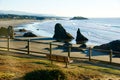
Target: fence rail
28, 51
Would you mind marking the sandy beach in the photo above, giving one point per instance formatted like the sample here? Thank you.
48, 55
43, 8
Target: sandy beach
6, 23
45, 47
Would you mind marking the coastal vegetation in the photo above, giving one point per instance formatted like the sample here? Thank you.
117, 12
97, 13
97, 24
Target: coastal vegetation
3, 31
14, 66
34, 17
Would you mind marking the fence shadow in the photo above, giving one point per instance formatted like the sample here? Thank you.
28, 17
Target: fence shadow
51, 46
96, 53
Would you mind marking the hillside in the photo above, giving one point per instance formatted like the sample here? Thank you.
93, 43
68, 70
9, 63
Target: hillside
14, 66
25, 15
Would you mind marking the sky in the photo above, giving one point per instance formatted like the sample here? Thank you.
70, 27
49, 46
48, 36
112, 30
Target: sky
68, 8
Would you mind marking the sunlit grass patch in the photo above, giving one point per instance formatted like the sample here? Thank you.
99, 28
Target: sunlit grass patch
13, 64
6, 75
102, 69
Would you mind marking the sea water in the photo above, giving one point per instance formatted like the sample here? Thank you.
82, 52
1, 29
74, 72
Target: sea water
97, 30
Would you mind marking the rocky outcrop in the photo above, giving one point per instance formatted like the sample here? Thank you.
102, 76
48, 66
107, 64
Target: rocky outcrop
60, 34
66, 45
79, 18
114, 45
80, 39
83, 46
29, 34
22, 30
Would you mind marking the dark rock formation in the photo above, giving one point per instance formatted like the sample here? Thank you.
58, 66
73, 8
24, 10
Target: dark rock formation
79, 18
61, 34
22, 30
29, 34
67, 45
83, 46
37, 29
80, 39
114, 45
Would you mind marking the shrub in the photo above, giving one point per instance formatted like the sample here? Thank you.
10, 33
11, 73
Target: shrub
54, 74
3, 31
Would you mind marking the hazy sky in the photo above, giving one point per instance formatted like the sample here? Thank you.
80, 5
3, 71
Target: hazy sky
86, 8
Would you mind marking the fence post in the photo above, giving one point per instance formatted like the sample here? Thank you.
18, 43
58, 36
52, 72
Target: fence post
90, 53
8, 43
28, 46
51, 52
111, 52
69, 50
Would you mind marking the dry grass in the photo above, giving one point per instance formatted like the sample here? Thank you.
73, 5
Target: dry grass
14, 66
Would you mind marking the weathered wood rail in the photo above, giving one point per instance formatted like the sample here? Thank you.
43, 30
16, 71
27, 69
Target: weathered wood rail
59, 58
28, 50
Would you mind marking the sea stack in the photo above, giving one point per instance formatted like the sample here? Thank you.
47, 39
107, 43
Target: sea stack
60, 34
80, 39
29, 34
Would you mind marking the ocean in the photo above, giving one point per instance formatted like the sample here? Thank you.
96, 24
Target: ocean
97, 30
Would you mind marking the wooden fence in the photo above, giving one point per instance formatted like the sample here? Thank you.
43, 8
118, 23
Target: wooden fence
28, 51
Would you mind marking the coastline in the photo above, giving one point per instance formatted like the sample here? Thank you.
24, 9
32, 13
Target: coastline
14, 23
42, 47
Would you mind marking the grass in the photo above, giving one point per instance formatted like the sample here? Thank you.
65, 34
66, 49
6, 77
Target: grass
102, 69
15, 66
6, 75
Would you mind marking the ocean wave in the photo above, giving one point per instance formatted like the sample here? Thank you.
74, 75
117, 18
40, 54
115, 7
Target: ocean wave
97, 33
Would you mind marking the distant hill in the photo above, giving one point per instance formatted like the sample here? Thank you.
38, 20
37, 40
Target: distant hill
25, 15
78, 18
